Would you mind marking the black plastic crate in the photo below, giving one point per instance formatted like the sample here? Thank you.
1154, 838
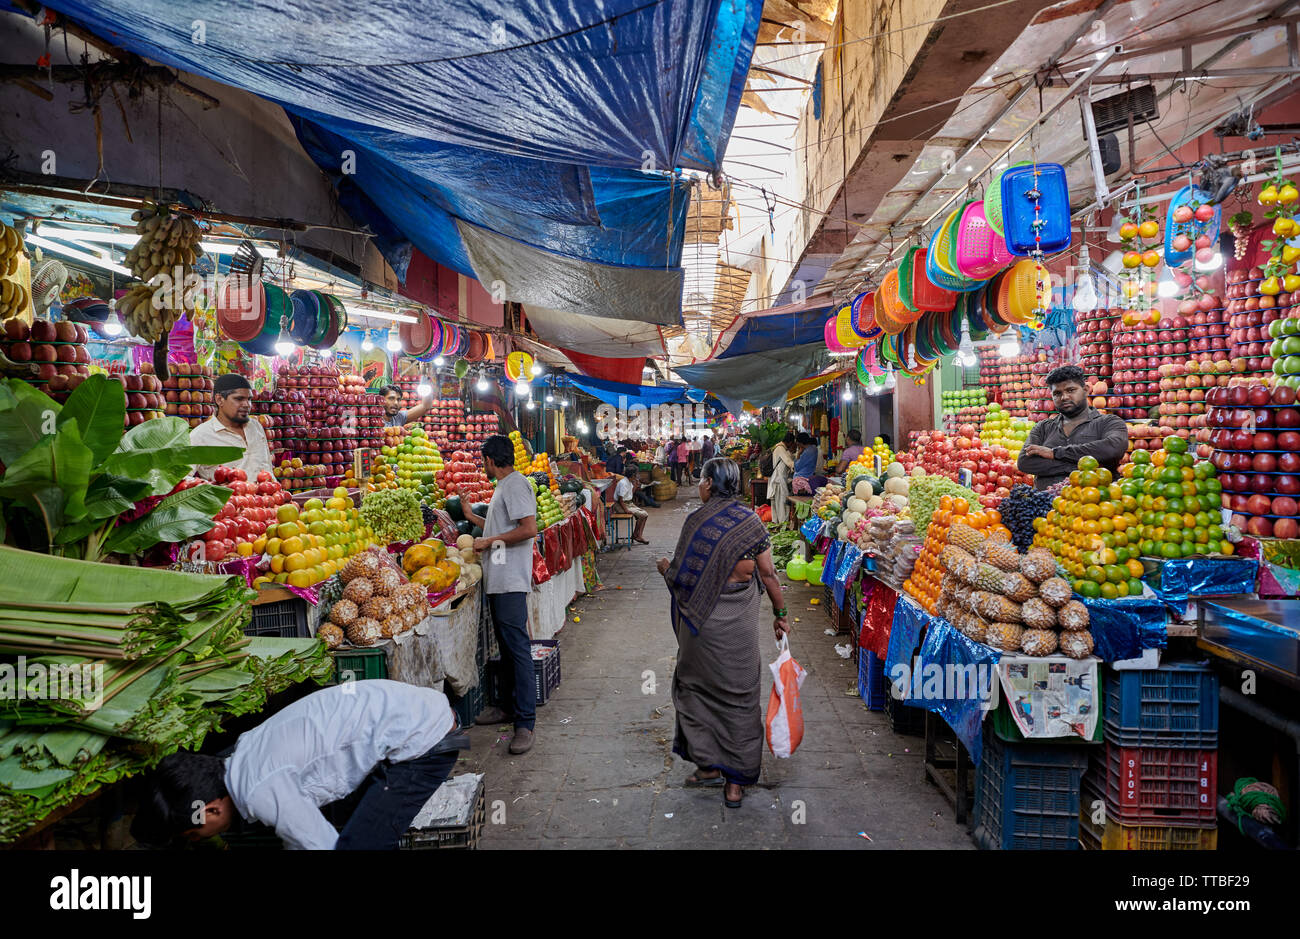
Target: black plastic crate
285, 619
465, 836
903, 718
470, 705
546, 670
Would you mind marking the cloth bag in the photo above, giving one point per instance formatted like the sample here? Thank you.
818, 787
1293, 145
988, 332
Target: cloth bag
784, 713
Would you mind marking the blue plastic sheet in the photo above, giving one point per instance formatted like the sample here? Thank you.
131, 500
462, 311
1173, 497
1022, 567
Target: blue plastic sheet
1122, 629
618, 83
850, 563
905, 634
627, 396
833, 552
811, 528
778, 331
966, 671
1205, 577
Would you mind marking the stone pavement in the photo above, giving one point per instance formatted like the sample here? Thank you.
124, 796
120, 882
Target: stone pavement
602, 773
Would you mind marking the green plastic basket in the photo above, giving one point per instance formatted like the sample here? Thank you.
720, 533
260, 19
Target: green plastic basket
993, 199
905, 280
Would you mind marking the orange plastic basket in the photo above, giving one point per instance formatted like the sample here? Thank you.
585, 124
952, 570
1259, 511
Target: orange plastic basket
890, 312
929, 296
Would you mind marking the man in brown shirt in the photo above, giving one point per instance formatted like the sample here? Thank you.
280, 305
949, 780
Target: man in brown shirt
1056, 445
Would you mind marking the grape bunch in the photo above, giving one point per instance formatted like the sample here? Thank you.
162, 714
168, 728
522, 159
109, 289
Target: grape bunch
426, 512
1019, 509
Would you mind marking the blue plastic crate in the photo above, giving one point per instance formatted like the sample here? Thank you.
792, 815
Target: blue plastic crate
1027, 796
871, 680
1176, 705
470, 705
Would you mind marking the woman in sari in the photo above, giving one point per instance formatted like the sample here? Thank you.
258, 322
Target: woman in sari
722, 555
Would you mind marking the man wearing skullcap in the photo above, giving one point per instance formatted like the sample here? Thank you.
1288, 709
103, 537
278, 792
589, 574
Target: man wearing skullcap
231, 426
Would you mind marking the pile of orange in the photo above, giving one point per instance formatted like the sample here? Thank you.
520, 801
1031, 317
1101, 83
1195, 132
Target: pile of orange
927, 576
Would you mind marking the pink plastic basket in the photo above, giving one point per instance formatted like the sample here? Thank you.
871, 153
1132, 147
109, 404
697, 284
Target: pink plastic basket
981, 252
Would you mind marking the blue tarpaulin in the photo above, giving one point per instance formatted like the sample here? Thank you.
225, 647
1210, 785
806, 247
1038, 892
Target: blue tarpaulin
627, 396
778, 331
845, 570
1122, 629
955, 676
1178, 580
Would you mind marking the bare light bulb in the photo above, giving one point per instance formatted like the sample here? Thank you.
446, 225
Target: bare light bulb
482, 384
366, 344
537, 368
424, 389
1167, 287
439, 361
847, 395
394, 342
1085, 294
112, 326
284, 342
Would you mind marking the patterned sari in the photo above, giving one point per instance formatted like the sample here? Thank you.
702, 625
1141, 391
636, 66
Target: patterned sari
718, 676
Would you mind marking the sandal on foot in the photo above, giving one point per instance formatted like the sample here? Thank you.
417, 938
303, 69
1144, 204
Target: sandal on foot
734, 803
694, 781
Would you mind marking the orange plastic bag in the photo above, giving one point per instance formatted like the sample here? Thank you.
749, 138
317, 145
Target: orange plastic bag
784, 713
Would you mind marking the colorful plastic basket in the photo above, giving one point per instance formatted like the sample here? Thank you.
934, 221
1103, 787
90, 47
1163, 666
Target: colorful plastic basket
981, 252
1050, 210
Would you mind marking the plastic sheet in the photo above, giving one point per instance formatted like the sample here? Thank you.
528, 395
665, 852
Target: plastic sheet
905, 630
1121, 629
833, 554
878, 620
850, 562
811, 528
964, 666
1184, 578
761, 378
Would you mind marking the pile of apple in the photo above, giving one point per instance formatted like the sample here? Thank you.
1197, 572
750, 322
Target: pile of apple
1010, 380
1137, 354
283, 415
244, 519
1251, 311
1093, 329
993, 469
463, 476
298, 476
332, 429
1255, 434
187, 392
59, 349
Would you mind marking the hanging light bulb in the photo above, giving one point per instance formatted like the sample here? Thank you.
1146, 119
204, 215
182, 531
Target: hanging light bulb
966, 348
366, 344
439, 361
1166, 287
1085, 291
891, 382
424, 389
1009, 345
284, 342
550, 397
537, 368
394, 341
529, 405
113, 326
847, 395
564, 402
482, 384
1214, 263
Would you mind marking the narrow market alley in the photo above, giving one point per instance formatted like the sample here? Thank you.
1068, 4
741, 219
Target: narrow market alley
603, 774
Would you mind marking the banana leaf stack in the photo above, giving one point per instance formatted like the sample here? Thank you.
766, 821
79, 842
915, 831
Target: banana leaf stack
170, 662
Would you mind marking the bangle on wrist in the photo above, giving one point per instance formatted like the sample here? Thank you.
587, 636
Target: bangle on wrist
779, 613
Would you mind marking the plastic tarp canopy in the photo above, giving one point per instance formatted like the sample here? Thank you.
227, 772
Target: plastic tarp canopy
618, 83
525, 274
626, 396
762, 378
595, 335
764, 332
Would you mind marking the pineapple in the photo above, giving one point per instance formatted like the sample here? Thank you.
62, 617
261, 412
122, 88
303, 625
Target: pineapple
966, 538
1038, 642
377, 608
362, 565
390, 626
988, 578
1073, 617
1004, 636
1055, 591
411, 618
343, 613
330, 634
953, 559
359, 590
1077, 644
1038, 565
364, 631
386, 581
401, 601
974, 628
1002, 555
1036, 614
999, 609
1018, 587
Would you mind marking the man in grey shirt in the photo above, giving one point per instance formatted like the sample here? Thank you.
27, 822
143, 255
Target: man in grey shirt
507, 543
1056, 445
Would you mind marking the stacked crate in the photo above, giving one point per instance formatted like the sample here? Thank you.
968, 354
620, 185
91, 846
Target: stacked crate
1154, 784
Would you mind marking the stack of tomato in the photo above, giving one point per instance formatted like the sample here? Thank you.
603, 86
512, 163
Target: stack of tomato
240, 526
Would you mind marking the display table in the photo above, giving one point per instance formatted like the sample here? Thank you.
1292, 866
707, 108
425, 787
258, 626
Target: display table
758, 492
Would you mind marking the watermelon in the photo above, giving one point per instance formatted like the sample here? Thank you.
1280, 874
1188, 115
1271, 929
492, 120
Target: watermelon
479, 509
453, 509
464, 528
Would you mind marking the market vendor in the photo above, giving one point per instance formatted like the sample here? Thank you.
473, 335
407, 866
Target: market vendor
851, 452
1056, 445
625, 504
391, 742
231, 426
397, 417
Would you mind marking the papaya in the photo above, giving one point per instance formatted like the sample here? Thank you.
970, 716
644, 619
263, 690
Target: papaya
416, 557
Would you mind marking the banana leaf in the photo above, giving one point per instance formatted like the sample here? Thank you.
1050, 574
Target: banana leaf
98, 406
51, 477
31, 576
179, 516
26, 416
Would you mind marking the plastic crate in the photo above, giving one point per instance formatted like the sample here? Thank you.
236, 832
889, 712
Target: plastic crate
1027, 796
871, 680
465, 836
546, 670
1004, 725
1161, 785
470, 705
286, 619
1176, 705
358, 664
1120, 837
903, 718
1090, 832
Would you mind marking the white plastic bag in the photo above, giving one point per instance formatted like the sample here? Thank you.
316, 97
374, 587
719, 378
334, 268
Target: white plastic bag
784, 713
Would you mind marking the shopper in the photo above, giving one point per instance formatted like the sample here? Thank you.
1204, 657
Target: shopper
624, 492
684, 461
397, 417
614, 465
389, 743
708, 450
722, 555
778, 484
805, 465
231, 426
1056, 445
507, 548
851, 452
659, 456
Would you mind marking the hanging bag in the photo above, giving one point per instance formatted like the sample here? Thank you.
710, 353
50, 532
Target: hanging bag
784, 713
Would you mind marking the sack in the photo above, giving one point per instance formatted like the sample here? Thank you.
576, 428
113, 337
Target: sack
784, 714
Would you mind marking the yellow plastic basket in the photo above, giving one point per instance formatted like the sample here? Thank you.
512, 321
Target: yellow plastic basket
1021, 285
943, 249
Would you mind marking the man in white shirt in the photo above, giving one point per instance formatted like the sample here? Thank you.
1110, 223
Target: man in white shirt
624, 491
388, 740
232, 426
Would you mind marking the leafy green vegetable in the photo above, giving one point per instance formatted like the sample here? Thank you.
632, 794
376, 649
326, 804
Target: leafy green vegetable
767, 435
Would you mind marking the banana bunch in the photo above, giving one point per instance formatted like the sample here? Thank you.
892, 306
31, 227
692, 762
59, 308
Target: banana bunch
167, 250
14, 297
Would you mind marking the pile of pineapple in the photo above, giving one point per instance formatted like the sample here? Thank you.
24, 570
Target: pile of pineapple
1007, 600
378, 602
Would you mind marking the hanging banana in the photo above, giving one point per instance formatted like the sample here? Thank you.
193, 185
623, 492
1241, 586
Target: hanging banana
14, 296
164, 259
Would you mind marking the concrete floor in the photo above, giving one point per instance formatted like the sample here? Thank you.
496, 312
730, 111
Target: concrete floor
602, 773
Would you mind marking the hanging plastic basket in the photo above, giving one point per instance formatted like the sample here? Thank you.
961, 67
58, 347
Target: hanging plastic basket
993, 199
305, 317
867, 364
420, 336
1021, 287
1021, 210
829, 334
929, 296
1193, 229
889, 309
905, 280
981, 252
241, 307
864, 316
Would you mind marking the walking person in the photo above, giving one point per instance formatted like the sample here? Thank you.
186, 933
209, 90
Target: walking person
684, 461
509, 530
714, 578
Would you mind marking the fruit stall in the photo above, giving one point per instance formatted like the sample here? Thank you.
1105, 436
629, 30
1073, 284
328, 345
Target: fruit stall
1107, 616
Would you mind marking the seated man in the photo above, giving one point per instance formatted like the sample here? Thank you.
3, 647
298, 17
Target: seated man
624, 492
390, 741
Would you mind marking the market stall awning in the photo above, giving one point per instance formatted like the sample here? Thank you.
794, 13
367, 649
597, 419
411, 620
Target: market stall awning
810, 384
765, 378
626, 396
795, 324
595, 335
625, 371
